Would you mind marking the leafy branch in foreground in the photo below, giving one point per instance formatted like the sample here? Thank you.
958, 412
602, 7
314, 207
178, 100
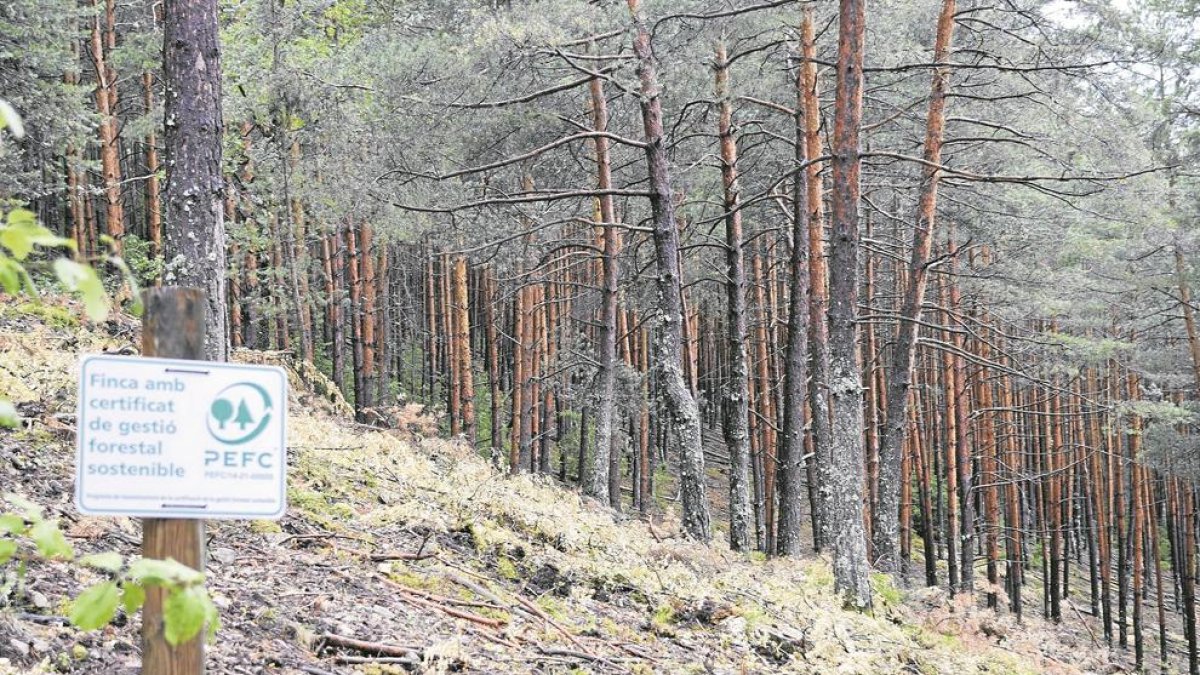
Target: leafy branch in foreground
21, 235
187, 608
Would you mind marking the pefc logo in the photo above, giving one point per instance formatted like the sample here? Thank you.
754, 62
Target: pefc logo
239, 413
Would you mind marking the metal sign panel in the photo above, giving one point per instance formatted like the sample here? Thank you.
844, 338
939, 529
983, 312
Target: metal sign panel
165, 438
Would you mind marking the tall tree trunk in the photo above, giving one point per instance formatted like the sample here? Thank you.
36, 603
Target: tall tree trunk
367, 284
1100, 509
153, 191
680, 402
333, 306
493, 356
295, 242
924, 480
1139, 521
195, 222
251, 297
384, 366
950, 377
818, 299
737, 394
597, 483
76, 175
234, 286
886, 534
1054, 457
791, 450
103, 41
763, 402
842, 476
353, 268
990, 450
1188, 526
525, 348
462, 337
963, 461
646, 458
450, 319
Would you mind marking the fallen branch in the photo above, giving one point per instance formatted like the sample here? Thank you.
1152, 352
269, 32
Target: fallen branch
397, 660
569, 653
400, 555
493, 637
629, 649
544, 617
384, 557
44, 619
497, 603
375, 648
313, 670
322, 535
475, 588
1083, 621
412, 597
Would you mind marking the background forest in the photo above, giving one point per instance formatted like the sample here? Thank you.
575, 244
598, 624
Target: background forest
917, 295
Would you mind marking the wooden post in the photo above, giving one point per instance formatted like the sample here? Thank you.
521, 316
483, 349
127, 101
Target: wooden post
173, 327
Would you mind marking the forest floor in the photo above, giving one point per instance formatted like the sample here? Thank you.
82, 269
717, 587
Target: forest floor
396, 537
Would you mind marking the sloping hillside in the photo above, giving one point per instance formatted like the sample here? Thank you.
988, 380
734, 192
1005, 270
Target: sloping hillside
404, 553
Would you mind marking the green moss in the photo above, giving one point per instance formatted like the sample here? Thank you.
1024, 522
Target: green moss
268, 616
552, 607
507, 569
885, 589
265, 526
409, 579
54, 316
1008, 664
819, 577
498, 614
316, 507
613, 628
664, 615
754, 615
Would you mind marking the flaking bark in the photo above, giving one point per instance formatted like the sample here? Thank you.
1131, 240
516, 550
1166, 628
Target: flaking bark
195, 211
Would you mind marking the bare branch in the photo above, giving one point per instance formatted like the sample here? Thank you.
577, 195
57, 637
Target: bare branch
524, 198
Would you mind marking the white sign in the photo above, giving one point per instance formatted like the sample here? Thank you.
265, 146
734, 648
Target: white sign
163, 438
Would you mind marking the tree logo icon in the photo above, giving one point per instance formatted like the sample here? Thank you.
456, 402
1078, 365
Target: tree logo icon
239, 413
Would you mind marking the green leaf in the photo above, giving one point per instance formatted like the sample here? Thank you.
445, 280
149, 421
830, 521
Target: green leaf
50, 540
96, 606
11, 274
212, 617
130, 279
9, 419
8, 548
23, 218
133, 596
23, 233
109, 561
83, 280
163, 572
9, 118
16, 241
11, 524
184, 613
31, 511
